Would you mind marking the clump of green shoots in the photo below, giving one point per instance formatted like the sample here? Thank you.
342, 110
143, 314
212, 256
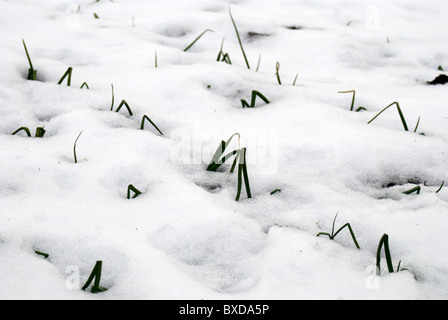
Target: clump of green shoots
333, 235
197, 39
95, 275
385, 242
240, 160
255, 94
223, 57
352, 108
40, 132
133, 189
146, 118
239, 40
32, 74
400, 113
68, 75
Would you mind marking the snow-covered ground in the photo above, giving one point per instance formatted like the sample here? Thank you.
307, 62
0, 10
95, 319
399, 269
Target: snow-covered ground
186, 237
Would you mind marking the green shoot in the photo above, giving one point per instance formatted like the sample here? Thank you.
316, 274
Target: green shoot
277, 68
403, 120
411, 191
96, 16
242, 173
68, 74
85, 85
352, 108
134, 190
418, 123
40, 132
275, 191
223, 57
441, 187
142, 126
42, 254
124, 103
25, 129
333, 234
255, 94
239, 40
113, 98
218, 160
95, 275
74, 147
384, 242
155, 58
197, 39
295, 80
258, 64
32, 74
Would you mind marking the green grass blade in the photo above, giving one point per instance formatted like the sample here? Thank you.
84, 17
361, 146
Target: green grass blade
217, 157
324, 234
411, 191
74, 147
259, 62
384, 242
95, 275
245, 174
85, 85
68, 75
27, 131
418, 123
142, 126
134, 190
351, 233
239, 39
353, 100
277, 68
255, 94
403, 120
441, 187
197, 39
124, 103
155, 59
32, 74
40, 132
295, 80
42, 254
275, 191
113, 98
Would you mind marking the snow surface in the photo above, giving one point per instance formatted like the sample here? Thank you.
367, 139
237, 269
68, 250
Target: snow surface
186, 237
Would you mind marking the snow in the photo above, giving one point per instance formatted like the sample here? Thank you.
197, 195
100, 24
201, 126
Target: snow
186, 237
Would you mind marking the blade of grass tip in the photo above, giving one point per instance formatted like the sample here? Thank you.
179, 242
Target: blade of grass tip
411, 191
353, 100
334, 223
92, 276
324, 234
40, 132
418, 123
384, 242
96, 285
27, 131
399, 112
42, 254
260, 95
197, 39
74, 147
245, 174
239, 39
32, 74
142, 126
440, 189
68, 74
275, 191
295, 80
221, 52
216, 160
240, 178
135, 190
155, 58
277, 68
113, 98
259, 61
124, 103
85, 85
352, 233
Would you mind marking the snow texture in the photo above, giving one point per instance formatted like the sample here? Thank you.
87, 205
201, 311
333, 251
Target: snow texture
186, 237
